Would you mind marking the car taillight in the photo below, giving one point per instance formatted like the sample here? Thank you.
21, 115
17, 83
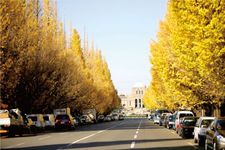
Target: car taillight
56, 121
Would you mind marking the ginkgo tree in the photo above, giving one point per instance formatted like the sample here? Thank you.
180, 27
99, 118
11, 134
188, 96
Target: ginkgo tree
188, 56
40, 71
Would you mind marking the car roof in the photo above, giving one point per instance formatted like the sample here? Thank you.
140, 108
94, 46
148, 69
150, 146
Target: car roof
203, 118
179, 112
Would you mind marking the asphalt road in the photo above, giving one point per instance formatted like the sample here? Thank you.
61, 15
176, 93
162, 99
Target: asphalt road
127, 134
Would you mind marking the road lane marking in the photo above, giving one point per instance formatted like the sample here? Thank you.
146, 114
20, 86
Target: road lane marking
132, 145
43, 138
15, 145
86, 137
82, 139
135, 136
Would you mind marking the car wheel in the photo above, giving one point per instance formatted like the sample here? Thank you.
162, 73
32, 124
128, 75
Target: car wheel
195, 140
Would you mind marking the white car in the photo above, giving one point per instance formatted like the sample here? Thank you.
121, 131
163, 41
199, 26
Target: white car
49, 121
200, 129
38, 121
181, 114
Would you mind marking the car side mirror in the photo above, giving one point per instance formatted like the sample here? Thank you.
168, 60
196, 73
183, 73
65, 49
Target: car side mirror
203, 126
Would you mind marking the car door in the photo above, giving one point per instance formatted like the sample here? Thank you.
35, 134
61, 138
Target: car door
210, 133
197, 129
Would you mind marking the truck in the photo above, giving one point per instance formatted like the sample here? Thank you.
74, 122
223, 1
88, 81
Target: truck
11, 122
91, 113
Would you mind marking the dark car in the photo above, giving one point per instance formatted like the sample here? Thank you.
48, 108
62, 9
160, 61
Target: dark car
101, 118
186, 127
162, 118
215, 135
64, 121
169, 121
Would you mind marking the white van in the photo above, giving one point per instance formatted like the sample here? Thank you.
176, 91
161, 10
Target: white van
37, 120
181, 114
49, 121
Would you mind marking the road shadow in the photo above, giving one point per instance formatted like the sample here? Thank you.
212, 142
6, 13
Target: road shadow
102, 145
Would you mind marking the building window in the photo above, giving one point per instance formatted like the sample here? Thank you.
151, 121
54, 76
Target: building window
139, 103
136, 101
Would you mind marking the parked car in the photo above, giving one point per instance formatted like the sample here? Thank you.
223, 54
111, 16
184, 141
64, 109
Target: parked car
101, 118
121, 117
162, 118
186, 126
156, 119
179, 115
200, 129
64, 121
151, 116
108, 118
11, 122
49, 121
115, 116
85, 119
37, 121
77, 120
169, 121
215, 135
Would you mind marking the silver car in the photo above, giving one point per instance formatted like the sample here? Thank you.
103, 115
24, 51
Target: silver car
215, 135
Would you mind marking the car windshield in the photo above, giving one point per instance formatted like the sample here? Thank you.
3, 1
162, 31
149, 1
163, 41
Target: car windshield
185, 115
62, 117
189, 121
221, 125
206, 122
46, 118
33, 118
171, 118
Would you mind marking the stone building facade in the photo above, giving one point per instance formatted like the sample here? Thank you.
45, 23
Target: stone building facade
133, 103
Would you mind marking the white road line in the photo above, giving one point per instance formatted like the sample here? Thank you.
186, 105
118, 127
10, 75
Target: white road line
86, 137
132, 145
135, 136
43, 138
82, 139
15, 145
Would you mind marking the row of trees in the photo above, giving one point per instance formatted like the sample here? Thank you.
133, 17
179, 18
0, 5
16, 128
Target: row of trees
188, 57
41, 70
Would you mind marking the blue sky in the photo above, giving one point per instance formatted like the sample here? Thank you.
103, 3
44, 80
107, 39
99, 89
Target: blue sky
122, 29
